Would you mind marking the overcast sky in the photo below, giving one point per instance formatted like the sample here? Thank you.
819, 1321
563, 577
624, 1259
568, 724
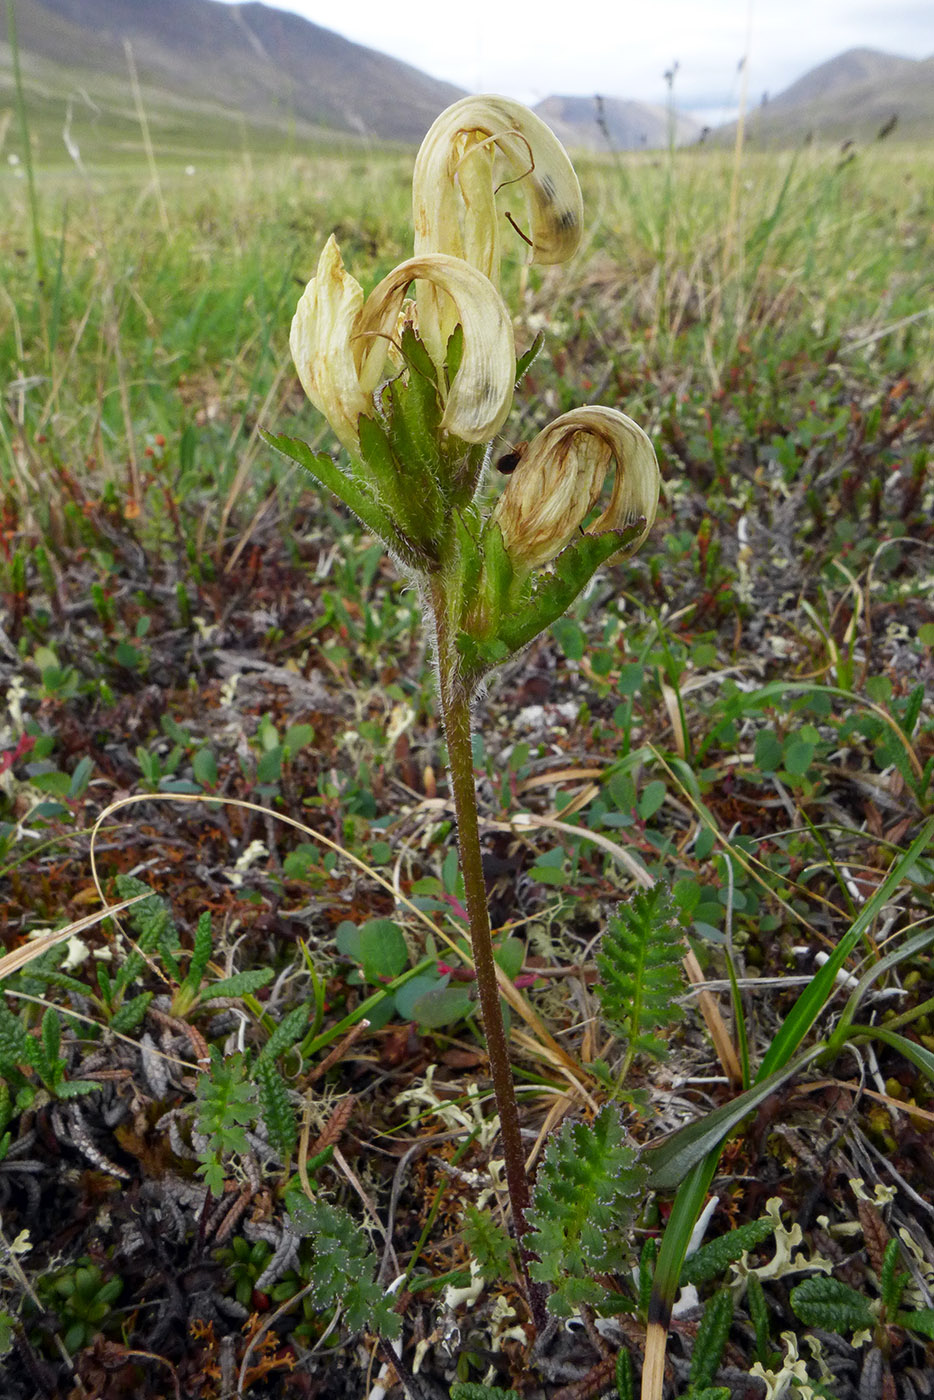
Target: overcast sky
621, 48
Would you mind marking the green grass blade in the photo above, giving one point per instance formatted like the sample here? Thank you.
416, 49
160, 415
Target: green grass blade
670, 1162
817, 993
901, 953
911, 1050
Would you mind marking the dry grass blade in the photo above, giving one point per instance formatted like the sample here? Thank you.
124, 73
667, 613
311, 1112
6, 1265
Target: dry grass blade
20, 957
709, 1009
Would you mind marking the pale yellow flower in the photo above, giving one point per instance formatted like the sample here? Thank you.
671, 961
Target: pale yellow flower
559, 481
476, 147
340, 342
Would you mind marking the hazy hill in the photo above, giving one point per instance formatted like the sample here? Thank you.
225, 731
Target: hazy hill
591, 124
271, 66
216, 76
854, 95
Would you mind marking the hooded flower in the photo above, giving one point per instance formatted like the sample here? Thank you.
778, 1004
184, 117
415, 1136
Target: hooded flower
340, 343
457, 175
559, 481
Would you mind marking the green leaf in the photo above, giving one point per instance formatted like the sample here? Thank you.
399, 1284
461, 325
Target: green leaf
555, 592
488, 1243
509, 955
653, 795
289, 1030
920, 1320
768, 751
712, 1260
712, 1332
74, 1088
276, 1108
472, 1390
587, 1185
128, 1016
831, 1304
204, 767
758, 1310
624, 1384
441, 1006
892, 1282
570, 637
241, 984
351, 492
640, 969
225, 1104
798, 753
383, 952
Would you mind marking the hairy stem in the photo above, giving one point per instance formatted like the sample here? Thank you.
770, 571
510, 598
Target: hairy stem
455, 710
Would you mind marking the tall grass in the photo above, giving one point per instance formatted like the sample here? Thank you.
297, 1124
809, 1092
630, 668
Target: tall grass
172, 317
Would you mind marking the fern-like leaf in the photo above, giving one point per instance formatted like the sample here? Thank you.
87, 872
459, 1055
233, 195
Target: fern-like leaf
640, 967
154, 927
488, 1243
582, 1207
343, 1270
276, 1108
226, 1102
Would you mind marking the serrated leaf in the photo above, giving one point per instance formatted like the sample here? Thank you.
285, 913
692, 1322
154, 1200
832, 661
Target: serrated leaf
640, 968
554, 593
128, 1016
276, 1108
289, 1030
712, 1332
241, 984
712, 1259
583, 1201
74, 1088
472, 1390
920, 1320
488, 1243
831, 1304
351, 492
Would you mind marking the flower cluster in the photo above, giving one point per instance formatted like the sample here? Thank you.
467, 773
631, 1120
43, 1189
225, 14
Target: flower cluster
415, 390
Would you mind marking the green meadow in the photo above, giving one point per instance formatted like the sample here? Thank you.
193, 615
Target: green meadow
216, 694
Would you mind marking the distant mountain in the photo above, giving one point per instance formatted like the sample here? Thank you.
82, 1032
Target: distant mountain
212, 73
855, 95
267, 64
603, 123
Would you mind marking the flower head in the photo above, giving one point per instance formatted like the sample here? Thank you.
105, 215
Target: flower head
559, 480
340, 342
476, 147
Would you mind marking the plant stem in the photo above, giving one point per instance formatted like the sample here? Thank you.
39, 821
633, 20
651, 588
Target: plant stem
455, 710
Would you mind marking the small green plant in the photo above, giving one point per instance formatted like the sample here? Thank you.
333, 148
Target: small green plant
831, 1304
82, 1299
343, 1267
225, 1103
640, 966
30, 1061
587, 1191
